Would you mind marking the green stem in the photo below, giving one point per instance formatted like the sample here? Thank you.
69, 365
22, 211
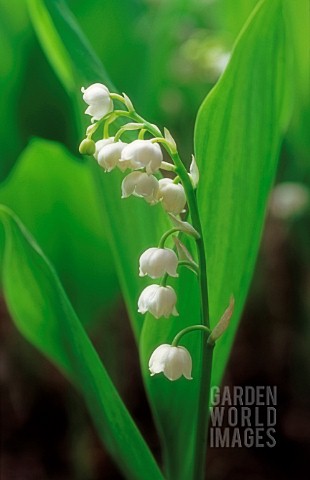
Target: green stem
206, 365
163, 282
187, 330
116, 96
163, 239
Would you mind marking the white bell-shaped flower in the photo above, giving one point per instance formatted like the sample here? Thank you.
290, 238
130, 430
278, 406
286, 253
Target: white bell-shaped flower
172, 195
173, 362
102, 143
143, 154
140, 184
159, 301
97, 97
109, 155
155, 262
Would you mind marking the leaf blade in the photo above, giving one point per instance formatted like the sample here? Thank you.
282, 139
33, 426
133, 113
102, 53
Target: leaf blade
237, 139
44, 315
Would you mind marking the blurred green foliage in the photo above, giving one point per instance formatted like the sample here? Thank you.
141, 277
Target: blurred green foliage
166, 55
54, 196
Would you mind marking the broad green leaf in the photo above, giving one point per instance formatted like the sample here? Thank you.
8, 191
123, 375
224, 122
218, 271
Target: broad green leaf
120, 38
298, 134
44, 315
237, 139
54, 196
231, 16
73, 67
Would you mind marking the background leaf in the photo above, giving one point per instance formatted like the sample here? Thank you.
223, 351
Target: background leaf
46, 318
54, 196
237, 139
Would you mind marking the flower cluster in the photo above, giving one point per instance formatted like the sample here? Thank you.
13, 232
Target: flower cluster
143, 157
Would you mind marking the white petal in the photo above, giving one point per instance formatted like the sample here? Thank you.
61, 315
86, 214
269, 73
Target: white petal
158, 359
187, 362
102, 143
129, 183
109, 155
174, 365
172, 195
143, 153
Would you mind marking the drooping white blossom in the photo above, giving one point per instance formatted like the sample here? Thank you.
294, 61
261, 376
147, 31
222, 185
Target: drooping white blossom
173, 362
172, 196
102, 143
155, 262
159, 301
97, 97
109, 155
140, 184
143, 154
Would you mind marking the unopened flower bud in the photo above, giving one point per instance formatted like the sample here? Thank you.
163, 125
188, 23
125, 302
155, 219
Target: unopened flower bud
159, 301
143, 154
97, 97
140, 184
172, 195
194, 172
109, 155
173, 362
155, 262
87, 147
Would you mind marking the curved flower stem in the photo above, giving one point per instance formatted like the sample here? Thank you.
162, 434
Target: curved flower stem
116, 96
163, 239
187, 330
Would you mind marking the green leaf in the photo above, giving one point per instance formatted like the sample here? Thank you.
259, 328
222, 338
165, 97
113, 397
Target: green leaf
55, 198
76, 65
237, 139
14, 35
44, 315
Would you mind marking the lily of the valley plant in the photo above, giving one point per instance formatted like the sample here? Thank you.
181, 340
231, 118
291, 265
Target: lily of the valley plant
143, 158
